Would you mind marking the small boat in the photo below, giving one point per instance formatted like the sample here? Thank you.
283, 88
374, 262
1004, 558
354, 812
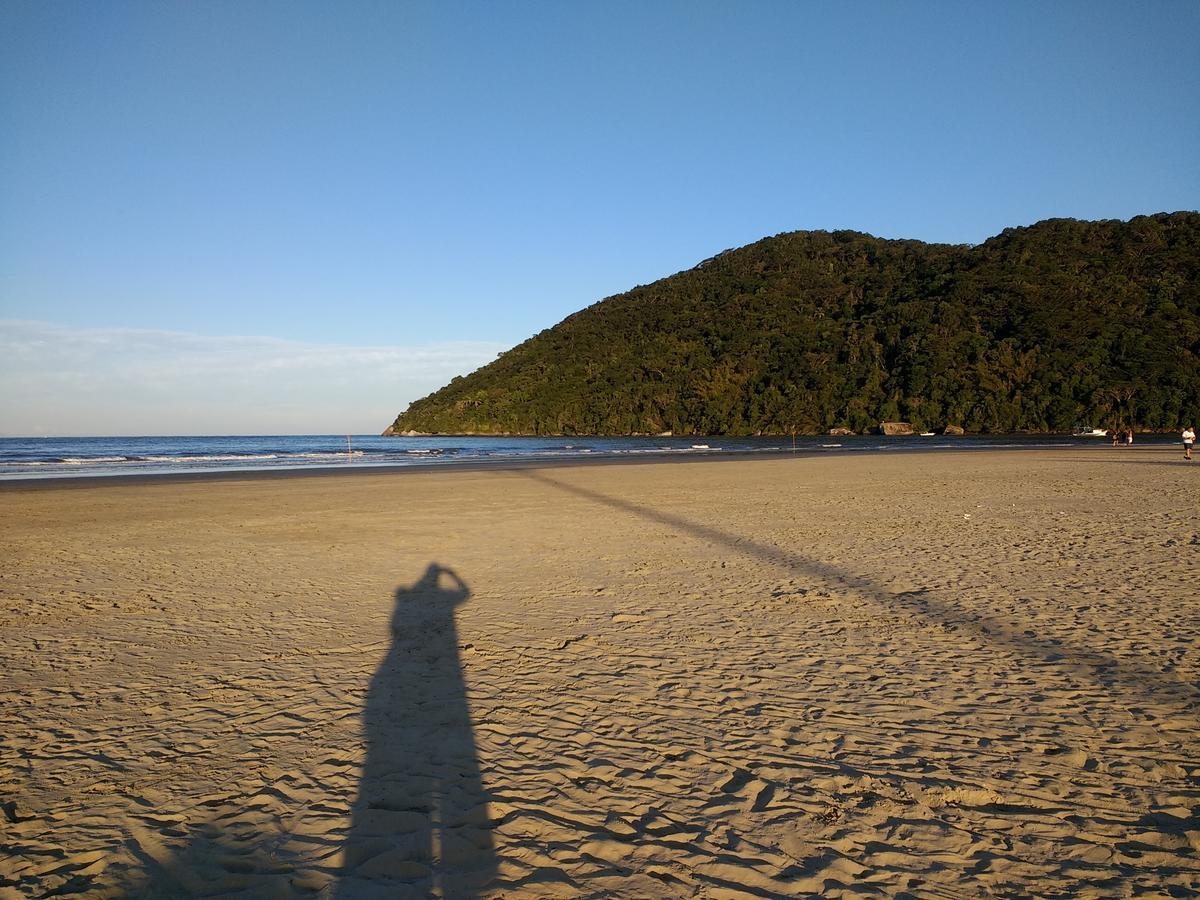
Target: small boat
1090, 432
928, 434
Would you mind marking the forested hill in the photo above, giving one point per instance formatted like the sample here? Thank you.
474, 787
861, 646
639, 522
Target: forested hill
1045, 328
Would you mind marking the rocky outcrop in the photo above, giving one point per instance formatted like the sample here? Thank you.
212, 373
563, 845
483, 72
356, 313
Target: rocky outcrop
953, 429
841, 432
391, 432
895, 429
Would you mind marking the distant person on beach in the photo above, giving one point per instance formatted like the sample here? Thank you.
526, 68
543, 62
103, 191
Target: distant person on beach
1129, 438
1189, 438
1116, 437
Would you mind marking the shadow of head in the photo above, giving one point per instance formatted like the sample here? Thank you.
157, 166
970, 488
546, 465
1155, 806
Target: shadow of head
438, 585
425, 609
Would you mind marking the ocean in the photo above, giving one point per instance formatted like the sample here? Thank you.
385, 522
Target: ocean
29, 458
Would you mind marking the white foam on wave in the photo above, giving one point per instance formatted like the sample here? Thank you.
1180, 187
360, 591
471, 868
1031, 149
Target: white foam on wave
248, 457
229, 457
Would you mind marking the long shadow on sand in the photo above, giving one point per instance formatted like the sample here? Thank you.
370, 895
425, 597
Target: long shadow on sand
420, 822
1134, 683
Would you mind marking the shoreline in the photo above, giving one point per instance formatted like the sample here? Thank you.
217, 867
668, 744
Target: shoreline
52, 482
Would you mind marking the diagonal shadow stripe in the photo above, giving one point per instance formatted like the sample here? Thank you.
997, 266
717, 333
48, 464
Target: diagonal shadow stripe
1112, 674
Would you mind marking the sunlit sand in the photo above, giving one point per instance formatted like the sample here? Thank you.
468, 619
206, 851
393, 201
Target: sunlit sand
943, 674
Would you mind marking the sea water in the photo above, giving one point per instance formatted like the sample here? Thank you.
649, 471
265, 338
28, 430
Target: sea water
22, 458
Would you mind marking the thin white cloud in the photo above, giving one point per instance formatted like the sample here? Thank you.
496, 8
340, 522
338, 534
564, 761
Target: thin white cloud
56, 379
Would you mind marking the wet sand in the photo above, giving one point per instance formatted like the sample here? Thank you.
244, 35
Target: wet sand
940, 674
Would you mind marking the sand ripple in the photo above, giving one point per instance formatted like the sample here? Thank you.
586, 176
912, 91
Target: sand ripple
736, 679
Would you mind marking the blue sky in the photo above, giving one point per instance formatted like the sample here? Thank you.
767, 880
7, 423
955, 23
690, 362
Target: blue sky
240, 182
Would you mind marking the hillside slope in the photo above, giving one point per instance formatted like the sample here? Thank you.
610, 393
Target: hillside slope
1037, 329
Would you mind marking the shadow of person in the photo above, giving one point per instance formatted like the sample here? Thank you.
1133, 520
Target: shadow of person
420, 824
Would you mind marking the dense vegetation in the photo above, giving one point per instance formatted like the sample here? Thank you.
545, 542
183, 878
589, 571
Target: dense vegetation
1045, 328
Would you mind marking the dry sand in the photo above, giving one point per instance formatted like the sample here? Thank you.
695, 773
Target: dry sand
933, 675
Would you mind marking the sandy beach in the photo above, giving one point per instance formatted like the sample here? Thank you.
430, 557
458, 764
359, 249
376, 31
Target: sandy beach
925, 675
